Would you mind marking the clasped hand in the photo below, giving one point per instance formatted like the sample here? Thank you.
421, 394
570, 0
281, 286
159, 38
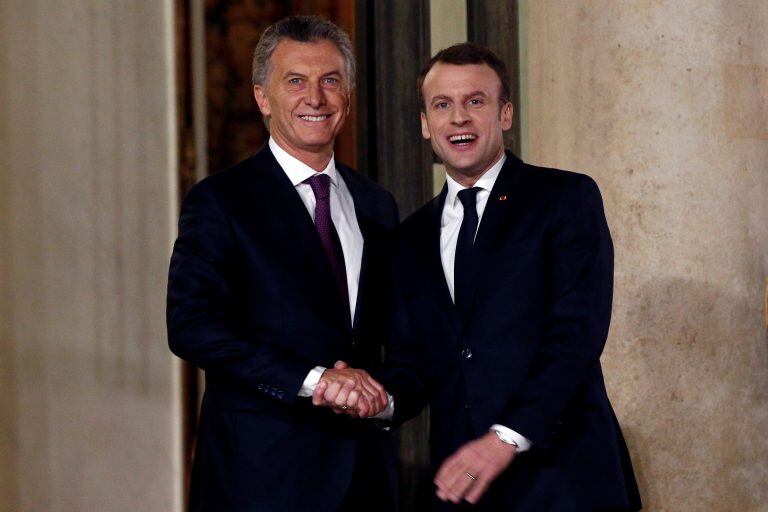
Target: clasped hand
350, 391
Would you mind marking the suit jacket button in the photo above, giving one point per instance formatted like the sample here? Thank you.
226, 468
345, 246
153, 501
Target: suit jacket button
466, 353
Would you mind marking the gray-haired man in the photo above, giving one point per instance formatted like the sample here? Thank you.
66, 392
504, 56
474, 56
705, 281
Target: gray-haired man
275, 276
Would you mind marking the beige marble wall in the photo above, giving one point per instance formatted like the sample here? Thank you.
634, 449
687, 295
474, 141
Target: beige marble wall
88, 412
665, 104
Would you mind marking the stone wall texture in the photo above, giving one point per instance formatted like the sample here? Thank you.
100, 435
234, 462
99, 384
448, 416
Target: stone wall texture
665, 105
89, 413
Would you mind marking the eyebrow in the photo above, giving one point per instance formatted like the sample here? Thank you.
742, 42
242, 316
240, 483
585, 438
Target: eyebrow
439, 97
476, 93
470, 95
296, 73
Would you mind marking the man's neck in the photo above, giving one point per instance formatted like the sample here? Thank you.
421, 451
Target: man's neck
316, 160
468, 180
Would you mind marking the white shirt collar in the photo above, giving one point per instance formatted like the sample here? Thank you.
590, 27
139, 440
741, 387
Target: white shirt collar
296, 170
486, 181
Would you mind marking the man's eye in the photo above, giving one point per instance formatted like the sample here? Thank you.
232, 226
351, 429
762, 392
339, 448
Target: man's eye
442, 105
331, 82
294, 81
475, 101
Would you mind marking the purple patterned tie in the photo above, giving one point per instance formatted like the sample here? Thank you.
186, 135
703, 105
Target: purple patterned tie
320, 184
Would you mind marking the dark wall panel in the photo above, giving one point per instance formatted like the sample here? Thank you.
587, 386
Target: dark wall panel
401, 49
402, 164
494, 24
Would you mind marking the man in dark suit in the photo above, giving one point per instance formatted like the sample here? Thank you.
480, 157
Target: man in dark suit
276, 275
504, 301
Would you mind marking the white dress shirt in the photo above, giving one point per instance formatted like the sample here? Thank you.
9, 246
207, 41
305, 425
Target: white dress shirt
450, 223
344, 220
342, 212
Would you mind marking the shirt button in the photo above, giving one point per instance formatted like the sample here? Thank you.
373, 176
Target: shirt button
466, 353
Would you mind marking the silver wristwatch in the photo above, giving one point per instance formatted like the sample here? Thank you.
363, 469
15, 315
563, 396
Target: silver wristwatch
504, 439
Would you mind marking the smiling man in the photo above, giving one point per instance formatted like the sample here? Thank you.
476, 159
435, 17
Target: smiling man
504, 301
276, 275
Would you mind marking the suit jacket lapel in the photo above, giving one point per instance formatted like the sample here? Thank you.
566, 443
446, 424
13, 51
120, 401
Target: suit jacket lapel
501, 209
364, 221
294, 215
433, 258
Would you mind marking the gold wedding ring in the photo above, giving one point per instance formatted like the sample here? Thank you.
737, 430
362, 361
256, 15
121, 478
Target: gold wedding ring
470, 476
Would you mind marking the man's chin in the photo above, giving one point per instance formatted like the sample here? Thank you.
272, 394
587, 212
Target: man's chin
316, 139
317, 146
458, 157
318, 136
464, 166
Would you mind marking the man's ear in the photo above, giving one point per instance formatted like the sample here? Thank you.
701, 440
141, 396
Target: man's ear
507, 112
425, 127
261, 100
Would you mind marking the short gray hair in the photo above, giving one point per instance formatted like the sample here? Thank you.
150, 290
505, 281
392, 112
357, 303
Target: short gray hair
304, 29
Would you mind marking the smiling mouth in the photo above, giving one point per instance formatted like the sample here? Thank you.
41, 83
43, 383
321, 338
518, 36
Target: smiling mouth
315, 119
462, 139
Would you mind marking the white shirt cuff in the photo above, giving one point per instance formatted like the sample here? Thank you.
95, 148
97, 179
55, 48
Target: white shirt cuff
388, 411
507, 434
313, 377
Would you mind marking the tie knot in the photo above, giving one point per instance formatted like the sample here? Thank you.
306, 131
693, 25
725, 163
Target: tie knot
468, 198
321, 184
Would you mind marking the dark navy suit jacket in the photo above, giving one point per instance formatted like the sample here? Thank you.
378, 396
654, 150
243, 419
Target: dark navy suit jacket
252, 301
527, 354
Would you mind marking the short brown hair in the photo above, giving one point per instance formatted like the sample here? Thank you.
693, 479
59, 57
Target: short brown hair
468, 53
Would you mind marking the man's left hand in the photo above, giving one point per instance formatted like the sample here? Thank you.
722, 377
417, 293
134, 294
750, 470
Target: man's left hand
469, 472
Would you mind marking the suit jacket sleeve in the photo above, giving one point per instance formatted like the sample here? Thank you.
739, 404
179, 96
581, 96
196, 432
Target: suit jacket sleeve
576, 326
402, 374
202, 326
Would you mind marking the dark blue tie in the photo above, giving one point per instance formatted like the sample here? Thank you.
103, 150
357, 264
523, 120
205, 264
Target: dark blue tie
464, 244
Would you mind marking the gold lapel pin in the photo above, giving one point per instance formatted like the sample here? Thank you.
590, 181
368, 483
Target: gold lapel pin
502, 198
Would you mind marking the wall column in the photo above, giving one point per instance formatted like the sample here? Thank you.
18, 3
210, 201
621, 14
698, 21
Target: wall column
665, 104
89, 412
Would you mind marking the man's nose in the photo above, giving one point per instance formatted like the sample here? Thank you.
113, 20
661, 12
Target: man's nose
459, 115
315, 96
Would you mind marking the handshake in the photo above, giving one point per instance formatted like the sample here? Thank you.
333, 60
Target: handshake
350, 391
